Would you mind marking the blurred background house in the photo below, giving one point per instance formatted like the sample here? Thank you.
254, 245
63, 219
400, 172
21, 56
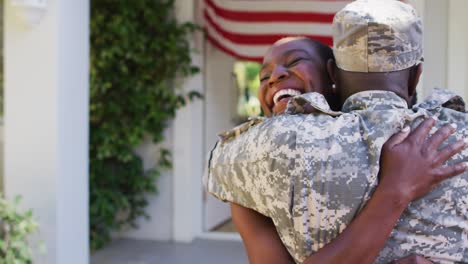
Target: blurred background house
44, 129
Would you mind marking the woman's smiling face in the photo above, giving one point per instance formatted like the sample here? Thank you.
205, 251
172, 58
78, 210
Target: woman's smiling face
291, 67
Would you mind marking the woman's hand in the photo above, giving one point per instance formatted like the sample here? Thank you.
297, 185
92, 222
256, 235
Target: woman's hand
412, 165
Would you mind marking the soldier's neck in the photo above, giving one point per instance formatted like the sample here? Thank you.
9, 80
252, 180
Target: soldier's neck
351, 83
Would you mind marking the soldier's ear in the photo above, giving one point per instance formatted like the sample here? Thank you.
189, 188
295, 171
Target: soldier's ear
413, 81
331, 69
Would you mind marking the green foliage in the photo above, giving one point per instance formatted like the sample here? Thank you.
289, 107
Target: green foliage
248, 83
15, 228
138, 50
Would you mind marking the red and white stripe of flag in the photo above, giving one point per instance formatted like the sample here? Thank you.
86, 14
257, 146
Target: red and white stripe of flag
246, 28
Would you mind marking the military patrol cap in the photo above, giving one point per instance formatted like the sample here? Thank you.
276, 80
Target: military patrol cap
377, 36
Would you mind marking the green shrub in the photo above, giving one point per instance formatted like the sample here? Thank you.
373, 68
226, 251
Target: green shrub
15, 228
138, 49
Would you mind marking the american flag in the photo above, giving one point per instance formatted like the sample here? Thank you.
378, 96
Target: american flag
246, 28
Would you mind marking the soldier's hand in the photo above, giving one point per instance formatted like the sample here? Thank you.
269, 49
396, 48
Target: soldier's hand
412, 165
413, 259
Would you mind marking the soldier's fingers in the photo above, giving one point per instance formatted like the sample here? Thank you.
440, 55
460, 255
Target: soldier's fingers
447, 152
450, 171
440, 136
397, 138
420, 133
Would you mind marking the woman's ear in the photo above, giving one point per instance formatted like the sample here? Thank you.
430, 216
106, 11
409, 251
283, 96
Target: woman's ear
332, 95
331, 69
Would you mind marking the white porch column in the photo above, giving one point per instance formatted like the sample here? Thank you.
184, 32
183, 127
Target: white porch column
188, 153
46, 124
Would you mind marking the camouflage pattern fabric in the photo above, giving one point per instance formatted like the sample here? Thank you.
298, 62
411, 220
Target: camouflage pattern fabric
235, 132
377, 36
312, 173
303, 105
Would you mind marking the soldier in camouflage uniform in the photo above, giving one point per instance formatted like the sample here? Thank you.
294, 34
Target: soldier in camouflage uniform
313, 173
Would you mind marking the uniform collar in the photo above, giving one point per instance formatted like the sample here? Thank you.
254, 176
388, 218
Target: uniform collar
368, 100
374, 100
308, 103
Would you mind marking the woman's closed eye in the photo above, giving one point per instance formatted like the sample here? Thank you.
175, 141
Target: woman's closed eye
264, 78
294, 61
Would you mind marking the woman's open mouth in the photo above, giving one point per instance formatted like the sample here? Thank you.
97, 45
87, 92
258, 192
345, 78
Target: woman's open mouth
284, 94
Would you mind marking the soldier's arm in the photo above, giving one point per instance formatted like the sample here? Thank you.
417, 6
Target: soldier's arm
263, 244
411, 167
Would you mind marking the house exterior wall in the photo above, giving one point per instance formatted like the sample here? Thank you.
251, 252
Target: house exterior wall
435, 45
220, 114
457, 68
160, 206
175, 211
445, 42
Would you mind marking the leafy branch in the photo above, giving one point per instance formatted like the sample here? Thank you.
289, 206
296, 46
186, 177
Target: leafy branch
138, 50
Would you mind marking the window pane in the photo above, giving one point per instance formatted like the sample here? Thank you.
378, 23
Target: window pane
247, 82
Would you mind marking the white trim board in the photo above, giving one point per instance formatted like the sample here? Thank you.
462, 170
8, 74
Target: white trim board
188, 148
457, 63
220, 236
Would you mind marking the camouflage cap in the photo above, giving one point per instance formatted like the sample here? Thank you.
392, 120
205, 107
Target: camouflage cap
377, 36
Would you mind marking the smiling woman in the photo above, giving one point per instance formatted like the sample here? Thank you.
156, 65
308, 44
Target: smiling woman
293, 66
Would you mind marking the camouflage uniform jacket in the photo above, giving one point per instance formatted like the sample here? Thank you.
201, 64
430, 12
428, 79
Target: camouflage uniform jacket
312, 173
